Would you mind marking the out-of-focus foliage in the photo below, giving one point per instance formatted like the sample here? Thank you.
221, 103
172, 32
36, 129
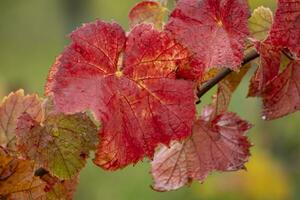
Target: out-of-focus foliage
32, 34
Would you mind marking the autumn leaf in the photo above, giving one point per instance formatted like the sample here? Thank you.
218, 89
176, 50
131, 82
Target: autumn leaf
260, 23
61, 144
11, 109
282, 94
213, 30
17, 180
227, 87
147, 12
268, 69
59, 189
130, 85
286, 27
217, 144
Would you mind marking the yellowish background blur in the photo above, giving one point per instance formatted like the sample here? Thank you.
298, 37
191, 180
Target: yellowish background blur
32, 34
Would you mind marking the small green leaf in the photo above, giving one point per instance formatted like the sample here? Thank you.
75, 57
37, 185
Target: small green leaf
260, 22
61, 144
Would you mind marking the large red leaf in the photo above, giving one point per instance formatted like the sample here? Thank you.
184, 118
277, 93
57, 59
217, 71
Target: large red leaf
282, 94
285, 31
214, 30
130, 87
216, 144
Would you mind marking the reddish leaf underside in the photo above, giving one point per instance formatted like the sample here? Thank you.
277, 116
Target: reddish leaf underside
285, 31
129, 83
216, 144
282, 94
270, 58
147, 12
213, 30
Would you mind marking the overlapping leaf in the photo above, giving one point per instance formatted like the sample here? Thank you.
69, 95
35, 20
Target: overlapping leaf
268, 69
61, 144
147, 12
11, 109
131, 88
214, 30
18, 181
218, 143
286, 27
260, 23
282, 94
227, 87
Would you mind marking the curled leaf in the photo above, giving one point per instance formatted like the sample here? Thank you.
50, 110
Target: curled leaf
268, 69
227, 87
282, 94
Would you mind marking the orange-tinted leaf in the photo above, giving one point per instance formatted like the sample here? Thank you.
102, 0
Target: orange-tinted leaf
147, 12
61, 144
131, 89
59, 189
216, 144
282, 94
226, 88
11, 109
213, 30
17, 180
286, 27
270, 57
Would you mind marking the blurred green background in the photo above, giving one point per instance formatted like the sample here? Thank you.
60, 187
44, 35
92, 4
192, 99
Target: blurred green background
32, 34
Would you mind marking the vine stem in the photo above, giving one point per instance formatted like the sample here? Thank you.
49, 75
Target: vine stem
223, 74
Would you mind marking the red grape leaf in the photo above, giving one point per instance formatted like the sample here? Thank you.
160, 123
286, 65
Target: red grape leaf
213, 30
147, 12
285, 31
260, 23
11, 109
270, 58
282, 94
131, 89
227, 87
216, 144
61, 144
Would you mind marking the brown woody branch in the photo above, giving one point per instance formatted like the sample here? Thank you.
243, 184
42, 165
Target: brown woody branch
220, 76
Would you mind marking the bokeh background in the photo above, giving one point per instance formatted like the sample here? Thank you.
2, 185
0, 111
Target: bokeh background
32, 34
